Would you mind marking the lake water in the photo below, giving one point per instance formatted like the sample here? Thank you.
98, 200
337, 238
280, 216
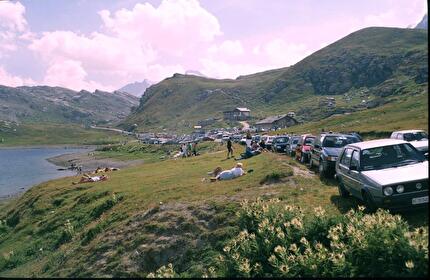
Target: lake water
23, 168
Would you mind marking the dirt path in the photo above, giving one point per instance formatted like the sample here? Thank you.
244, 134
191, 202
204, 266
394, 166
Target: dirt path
245, 125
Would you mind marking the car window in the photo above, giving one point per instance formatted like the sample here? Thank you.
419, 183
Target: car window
415, 136
355, 159
339, 141
309, 140
346, 157
390, 156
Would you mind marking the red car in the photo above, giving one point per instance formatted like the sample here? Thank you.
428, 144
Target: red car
303, 148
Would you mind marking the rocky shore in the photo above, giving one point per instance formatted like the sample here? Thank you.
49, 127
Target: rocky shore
89, 161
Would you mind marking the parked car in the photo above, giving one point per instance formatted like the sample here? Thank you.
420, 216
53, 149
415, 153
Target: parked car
256, 138
326, 149
268, 140
418, 138
303, 148
237, 137
279, 143
290, 149
386, 173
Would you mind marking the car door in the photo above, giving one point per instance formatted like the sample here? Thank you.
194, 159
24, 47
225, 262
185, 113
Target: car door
354, 174
344, 173
316, 150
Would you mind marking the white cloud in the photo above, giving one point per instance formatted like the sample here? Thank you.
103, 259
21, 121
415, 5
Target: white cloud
12, 16
12, 23
173, 27
70, 74
7, 79
134, 45
227, 48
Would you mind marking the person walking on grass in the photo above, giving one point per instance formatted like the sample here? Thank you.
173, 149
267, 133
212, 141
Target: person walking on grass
248, 138
195, 148
229, 148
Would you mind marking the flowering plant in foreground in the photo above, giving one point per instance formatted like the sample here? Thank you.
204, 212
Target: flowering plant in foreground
279, 240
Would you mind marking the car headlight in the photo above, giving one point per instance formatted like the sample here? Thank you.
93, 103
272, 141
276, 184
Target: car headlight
418, 186
400, 188
388, 191
332, 158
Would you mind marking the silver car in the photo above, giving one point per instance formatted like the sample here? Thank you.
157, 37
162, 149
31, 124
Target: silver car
291, 145
384, 173
418, 138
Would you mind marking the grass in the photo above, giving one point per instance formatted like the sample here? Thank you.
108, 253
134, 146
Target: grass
148, 152
409, 112
60, 229
30, 134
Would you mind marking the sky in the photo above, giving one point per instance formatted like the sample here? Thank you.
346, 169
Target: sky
106, 44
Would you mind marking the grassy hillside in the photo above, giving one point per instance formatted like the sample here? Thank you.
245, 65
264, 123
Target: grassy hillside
377, 65
407, 112
146, 216
30, 134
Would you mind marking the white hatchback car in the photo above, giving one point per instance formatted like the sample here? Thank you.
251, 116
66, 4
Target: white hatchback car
418, 138
385, 173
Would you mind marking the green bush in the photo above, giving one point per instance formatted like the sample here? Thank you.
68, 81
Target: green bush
275, 177
279, 240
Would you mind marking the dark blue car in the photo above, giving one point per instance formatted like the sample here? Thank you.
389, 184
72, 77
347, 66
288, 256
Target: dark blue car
326, 149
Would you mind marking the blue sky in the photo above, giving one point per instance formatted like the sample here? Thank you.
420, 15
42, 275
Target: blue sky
106, 44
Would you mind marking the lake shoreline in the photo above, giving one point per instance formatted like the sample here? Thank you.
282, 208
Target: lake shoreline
89, 161
54, 146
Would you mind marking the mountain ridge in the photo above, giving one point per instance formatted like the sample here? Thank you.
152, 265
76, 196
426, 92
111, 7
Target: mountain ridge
384, 62
62, 105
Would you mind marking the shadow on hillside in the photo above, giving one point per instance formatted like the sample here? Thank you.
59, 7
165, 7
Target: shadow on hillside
415, 217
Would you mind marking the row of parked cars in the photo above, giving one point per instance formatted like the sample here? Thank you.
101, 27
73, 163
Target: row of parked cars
389, 173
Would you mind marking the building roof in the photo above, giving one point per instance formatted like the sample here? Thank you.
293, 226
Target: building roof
271, 119
377, 143
243, 109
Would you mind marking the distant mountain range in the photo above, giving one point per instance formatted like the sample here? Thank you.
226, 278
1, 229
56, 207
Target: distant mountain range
423, 23
367, 68
61, 105
136, 88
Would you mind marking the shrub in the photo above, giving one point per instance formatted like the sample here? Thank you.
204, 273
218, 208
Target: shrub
278, 240
163, 272
275, 177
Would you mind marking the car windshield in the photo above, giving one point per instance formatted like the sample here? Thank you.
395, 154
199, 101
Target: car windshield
295, 141
338, 141
281, 140
415, 136
309, 140
390, 156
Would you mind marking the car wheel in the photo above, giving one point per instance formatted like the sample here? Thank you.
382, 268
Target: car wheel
342, 191
369, 203
322, 170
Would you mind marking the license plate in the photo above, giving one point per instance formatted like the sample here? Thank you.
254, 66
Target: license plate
420, 200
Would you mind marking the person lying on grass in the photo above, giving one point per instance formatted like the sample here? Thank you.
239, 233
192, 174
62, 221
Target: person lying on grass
88, 179
235, 172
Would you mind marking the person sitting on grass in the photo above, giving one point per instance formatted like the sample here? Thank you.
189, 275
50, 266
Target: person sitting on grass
88, 179
235, 172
